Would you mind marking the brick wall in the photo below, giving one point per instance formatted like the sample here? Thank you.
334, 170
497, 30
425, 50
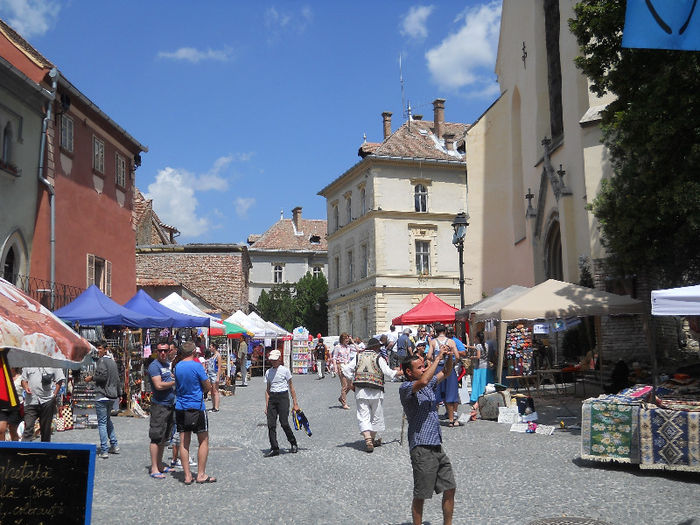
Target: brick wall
219, 278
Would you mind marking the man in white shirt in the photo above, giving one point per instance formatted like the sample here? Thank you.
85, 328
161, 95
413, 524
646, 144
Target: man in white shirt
367, 371
41, 386
278, 386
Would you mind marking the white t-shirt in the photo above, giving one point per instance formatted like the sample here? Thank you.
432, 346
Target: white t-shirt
278, 378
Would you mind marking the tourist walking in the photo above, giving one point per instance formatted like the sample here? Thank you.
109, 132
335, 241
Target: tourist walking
340, 358
448, 391
214, 375
243, 361
108, 388
366, 372
191, 383
162, 408
278, 386
432, 469
320, 352
41, 386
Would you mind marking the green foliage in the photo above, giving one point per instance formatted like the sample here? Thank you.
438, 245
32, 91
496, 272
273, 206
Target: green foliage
649, 211
302, 304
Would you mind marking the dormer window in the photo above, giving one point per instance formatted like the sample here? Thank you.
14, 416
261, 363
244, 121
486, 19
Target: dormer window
315, 239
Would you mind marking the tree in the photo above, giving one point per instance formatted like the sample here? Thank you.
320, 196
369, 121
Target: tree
304, 303
649, 210
312, 303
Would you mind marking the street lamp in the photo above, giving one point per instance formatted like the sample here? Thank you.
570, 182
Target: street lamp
460, 225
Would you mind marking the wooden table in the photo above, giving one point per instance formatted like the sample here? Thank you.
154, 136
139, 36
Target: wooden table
524, 380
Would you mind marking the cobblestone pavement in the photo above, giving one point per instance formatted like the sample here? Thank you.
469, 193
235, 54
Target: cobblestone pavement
502, 477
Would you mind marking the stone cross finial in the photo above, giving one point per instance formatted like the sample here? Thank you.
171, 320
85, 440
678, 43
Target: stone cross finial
529, 196
524, 57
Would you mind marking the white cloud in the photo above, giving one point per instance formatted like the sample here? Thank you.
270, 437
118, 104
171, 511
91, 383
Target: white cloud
278, 21
175, 200
193, 55
30, 17
243, 204
413, 24
467, 58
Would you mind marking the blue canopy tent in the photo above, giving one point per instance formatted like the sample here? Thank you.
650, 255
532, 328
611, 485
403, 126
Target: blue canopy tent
93, 308
146, 305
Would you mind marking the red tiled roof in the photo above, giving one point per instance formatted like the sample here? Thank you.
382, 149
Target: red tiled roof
281, 236
368, 148
156, 282
415, 139
20, 42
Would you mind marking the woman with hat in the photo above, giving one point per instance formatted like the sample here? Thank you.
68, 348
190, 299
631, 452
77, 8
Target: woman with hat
366, 372
278, 386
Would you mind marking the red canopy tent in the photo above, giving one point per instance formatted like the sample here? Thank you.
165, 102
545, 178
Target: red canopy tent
431, 309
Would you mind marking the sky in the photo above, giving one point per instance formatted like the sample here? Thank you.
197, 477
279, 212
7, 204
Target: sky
248, 109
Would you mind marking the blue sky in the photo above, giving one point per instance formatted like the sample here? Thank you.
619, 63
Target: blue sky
250, 108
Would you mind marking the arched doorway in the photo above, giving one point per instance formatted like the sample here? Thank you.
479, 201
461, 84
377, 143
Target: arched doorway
9, 270
552, 256
13, 258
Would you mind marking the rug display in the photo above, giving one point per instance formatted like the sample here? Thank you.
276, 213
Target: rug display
610, 431
670, 439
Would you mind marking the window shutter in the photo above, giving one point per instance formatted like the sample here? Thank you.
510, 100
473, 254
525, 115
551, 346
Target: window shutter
108, 278
90, 270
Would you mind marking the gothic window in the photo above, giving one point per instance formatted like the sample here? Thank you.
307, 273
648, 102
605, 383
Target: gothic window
553, 258
551, 30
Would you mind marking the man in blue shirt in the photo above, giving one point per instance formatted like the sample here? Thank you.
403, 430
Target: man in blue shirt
190, 413
432, 470
162, 408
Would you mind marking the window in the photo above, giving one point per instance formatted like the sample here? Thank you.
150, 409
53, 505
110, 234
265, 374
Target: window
98, 155
318, 271
336, 262
364, 261
423, 257
99, 273
7, 145
351, 323
351, 268
336, 218
365, 323
363, 201
67, 133
277, 274
120, 177
421, 198
348, 208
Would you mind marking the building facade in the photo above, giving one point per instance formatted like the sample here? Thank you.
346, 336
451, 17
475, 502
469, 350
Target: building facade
21, 114
390, 224
286, 252
83, 233
535, 162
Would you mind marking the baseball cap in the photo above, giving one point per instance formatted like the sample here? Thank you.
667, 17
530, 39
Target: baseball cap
275, 354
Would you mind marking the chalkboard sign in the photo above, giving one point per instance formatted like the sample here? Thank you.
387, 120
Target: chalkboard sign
42, 483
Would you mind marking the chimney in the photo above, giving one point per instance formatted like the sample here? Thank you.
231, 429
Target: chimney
439, 117
387, 123
296, 218
449, 141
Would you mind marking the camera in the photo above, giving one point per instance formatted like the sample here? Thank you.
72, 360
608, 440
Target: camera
46, 379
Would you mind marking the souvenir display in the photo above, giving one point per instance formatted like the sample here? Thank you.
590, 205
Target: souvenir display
519, 351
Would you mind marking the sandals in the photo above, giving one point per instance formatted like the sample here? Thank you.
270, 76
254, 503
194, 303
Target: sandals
158, 475
369, 444
377, 442
453, 424
208, 479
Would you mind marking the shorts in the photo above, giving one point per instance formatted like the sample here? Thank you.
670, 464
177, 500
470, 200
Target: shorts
432, 471
12, 416
191, 420
161, 423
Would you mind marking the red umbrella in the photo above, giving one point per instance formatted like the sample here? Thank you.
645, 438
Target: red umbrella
30, 335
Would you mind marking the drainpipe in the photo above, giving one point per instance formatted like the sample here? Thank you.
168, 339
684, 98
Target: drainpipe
53, 74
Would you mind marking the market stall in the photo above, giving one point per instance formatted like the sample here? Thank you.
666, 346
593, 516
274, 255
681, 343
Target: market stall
431, 309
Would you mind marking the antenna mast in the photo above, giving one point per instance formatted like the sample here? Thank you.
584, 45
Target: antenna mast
403, 95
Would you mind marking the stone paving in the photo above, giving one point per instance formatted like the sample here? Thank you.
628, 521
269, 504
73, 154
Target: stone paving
503, 477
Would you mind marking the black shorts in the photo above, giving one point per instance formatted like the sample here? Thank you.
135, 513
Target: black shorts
432, 471
12, 416
161, 423
191, 420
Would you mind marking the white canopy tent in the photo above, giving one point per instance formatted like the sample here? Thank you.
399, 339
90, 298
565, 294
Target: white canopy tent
176, 302
676, 301
241, 319
554, 299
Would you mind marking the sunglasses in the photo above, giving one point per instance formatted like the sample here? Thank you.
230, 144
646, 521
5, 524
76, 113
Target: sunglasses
164, 349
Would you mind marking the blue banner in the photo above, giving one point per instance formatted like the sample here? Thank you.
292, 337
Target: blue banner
662, 24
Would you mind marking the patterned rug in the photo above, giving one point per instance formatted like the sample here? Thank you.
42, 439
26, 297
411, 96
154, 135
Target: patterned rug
610, 431
670, 439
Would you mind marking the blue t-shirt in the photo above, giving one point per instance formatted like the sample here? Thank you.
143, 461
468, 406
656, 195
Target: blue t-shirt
161, 397
189, 376
421, 412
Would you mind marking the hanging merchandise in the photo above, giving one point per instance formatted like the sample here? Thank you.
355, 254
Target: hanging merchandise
301, 354
519, 350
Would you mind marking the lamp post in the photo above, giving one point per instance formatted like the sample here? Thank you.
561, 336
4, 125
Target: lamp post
460, 225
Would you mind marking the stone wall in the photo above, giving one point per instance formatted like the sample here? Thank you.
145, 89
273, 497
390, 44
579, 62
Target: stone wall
219, 278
